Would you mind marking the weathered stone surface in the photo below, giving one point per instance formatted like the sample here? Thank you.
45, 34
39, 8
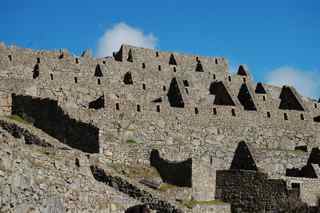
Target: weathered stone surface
138, 117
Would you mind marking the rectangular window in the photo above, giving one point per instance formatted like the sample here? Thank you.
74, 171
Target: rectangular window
233, 112
214, 111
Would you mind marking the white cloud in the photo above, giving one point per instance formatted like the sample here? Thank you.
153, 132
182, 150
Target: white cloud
305, 82
122, 33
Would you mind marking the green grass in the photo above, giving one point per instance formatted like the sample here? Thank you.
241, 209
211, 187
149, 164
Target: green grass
165, 186
18, 119
134, 171
285, 150
192, 203
131, 141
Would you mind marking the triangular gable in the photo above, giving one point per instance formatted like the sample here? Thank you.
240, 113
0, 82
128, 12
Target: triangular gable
130, 57
174, 94
98, 71
308, 171
199, 67
260, 89
243, 159
289, 99
118, 55
127, 79
314, 157
172, 60
242, 71
246, 98
222, 96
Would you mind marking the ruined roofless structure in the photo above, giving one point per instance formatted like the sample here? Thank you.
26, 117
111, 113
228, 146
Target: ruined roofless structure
174, 112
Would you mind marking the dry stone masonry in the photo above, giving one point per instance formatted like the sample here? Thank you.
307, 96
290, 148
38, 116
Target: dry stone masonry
214, 136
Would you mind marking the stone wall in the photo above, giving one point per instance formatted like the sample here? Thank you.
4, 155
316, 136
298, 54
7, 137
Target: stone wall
309, 189
5, 103
132, 191
45, 114
249, 191
175, 173
204, 129
220, 208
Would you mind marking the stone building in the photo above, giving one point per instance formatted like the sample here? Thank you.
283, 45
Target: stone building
184, 107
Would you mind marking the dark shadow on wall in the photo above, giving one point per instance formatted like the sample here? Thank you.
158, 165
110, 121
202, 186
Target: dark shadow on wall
314, 156
222, 97
46, 115
288, 100
36, 71
97, 104
98, 71
243, 159
130, 58
118, 55
246, 99
293, 172
174, 95
172, 60
306, 172
242, 71
175, 173
260, 89
127, 79
199, 67
138, 209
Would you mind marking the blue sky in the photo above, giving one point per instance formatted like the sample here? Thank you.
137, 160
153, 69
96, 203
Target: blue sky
271, 37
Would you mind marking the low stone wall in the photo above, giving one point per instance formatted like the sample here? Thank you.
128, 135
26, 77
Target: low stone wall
132, 191
250, 191
175, 173
219, 208
309, 189
19, 132
45, 114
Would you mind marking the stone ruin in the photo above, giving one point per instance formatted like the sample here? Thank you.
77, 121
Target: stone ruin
218, 135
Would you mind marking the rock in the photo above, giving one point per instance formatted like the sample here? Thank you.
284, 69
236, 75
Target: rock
54, 205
